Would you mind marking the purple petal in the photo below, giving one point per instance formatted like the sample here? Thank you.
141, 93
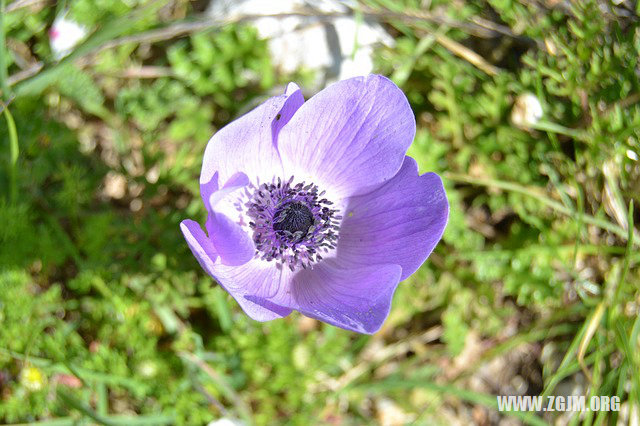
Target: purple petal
247, 144
352, 136
207, 189
231, 242
260, 281
235, 280
234, 183
200, 245
293, 103
354, 299
401, 222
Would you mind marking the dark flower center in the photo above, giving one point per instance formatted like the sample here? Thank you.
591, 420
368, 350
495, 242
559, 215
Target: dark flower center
293, 221
292, 224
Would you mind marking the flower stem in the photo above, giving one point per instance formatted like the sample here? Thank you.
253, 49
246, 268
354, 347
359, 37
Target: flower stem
14, 150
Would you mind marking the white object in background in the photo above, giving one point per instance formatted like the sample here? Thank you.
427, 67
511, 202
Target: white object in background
224, 421
64, 35
338, 47
527, 111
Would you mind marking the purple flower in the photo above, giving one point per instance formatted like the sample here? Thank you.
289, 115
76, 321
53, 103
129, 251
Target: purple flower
314, 206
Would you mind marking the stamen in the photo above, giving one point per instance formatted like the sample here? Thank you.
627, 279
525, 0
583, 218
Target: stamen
291, 224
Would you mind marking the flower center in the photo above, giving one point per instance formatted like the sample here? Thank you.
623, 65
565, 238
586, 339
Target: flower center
293, 221
292, 224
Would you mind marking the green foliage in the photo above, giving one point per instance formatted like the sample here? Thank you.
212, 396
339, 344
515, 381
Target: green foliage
150, 106
80, 87
96, 12
219, 64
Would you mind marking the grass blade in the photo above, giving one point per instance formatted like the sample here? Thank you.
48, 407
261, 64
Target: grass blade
537, 194
75, 403
592, 326
14, 152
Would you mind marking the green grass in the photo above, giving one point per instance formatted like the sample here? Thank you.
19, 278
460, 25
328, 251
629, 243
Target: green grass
108, 319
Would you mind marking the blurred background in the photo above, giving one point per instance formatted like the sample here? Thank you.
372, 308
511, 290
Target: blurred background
528, 109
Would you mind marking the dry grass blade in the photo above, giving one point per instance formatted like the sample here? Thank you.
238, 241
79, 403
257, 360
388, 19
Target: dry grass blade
384, 354
238, 402
20, 4
467, 54
537, 194
594, 322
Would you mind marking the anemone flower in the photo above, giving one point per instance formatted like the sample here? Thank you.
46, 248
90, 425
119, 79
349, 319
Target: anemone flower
314, 207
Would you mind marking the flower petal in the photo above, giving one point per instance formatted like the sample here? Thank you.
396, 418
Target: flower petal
247, 144
401, 222
354, 299
235, 182
350, 137
235, 280
257, 281
231, 242
200, 245
207, 189
290, 107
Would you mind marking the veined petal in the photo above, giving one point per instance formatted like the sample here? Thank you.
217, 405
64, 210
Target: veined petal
235, 280
207, 189
200, 245
351, 137
248, 143
401, 222
235, 182
354, 299
231, 242
292, 104
257, 281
